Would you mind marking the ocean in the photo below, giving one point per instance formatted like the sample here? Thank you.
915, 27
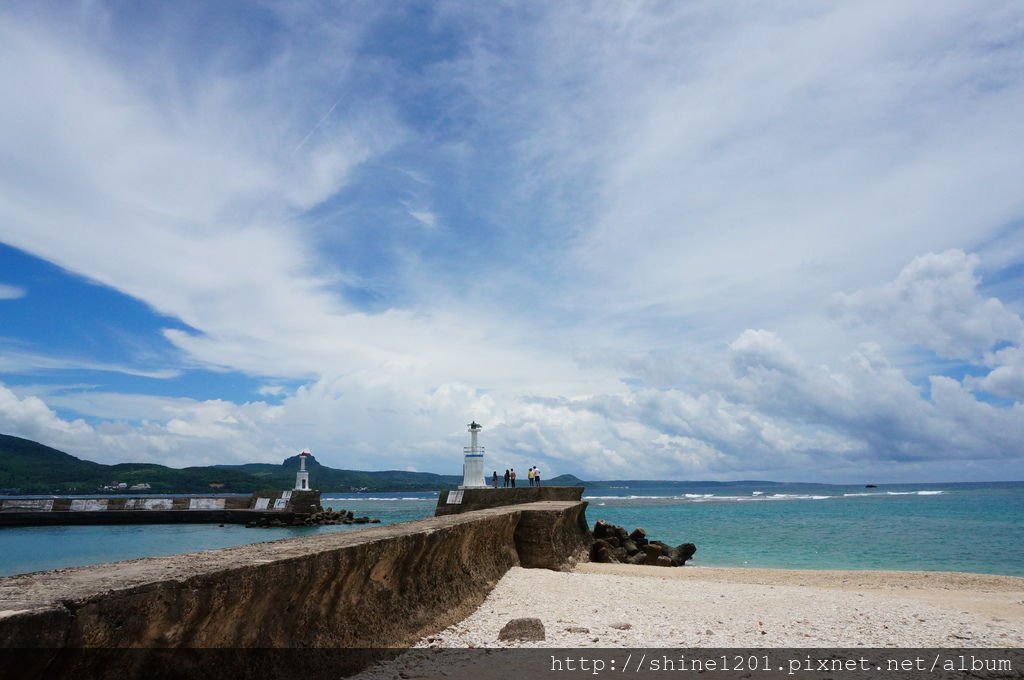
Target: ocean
972, 527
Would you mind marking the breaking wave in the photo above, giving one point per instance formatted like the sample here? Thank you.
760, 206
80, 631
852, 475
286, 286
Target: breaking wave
755, 497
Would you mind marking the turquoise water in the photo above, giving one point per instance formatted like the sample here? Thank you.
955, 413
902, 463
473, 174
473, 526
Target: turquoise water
25, 549
941, 527
944, 527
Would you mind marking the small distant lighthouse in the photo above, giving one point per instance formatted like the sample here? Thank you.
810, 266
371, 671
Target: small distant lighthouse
302, 477
473, 466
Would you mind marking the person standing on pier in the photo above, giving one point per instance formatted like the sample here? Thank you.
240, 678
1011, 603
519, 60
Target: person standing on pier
536, 476
512, 477
494, 479
507, 478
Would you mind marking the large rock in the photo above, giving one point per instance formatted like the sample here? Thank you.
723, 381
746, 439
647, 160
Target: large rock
614, 544
652, 553
681, 553
637, 558
602, 529
522, 629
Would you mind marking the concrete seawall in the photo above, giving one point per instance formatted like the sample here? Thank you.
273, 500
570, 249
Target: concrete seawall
379, 587
285, 506
468, 500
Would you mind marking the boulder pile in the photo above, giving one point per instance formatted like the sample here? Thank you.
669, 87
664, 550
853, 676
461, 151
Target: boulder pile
614, 544
320, 517
337, 517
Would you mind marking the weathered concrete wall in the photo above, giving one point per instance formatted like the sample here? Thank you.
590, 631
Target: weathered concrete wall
478, 499
553, 540
286, 506
111, 517
384, 586
137, 503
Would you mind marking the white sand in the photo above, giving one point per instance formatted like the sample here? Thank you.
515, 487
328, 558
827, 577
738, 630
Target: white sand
629, 606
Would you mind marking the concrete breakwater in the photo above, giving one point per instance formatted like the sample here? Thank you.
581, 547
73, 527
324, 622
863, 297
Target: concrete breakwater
466, 500
283, 507
382, 587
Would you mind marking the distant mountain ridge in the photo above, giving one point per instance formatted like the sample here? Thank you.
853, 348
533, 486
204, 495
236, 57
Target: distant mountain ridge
29, 467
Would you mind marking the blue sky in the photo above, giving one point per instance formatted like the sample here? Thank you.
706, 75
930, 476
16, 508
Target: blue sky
697, 240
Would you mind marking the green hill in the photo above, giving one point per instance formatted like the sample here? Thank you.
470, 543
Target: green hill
331, 479
30, 467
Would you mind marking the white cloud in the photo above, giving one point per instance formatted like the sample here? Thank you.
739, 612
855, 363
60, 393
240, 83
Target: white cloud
11, 292
182, 432
15, 361
186, 205
724, 165
1006, 378
934, 303
423, 215
673, 191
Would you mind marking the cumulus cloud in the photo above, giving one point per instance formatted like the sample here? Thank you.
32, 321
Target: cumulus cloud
1006, 378
776, 415
769, 414
934, 303
134, 428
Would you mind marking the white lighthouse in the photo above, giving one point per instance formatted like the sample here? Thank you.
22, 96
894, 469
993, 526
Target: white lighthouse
473, 465
302, 477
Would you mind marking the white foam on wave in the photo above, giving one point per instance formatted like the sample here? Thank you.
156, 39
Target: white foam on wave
915, 493
799, 496
895, 493
711, 498
627, 498
759, 496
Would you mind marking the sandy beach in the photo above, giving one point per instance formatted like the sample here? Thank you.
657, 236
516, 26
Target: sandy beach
613, 605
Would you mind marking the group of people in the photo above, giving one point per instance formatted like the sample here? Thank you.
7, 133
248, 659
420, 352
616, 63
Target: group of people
510, 477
